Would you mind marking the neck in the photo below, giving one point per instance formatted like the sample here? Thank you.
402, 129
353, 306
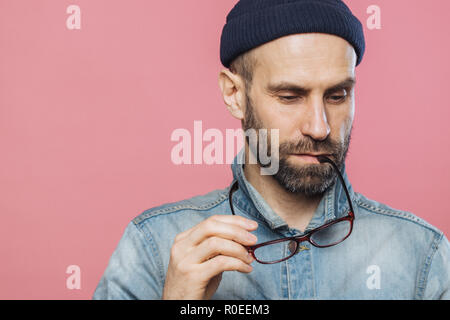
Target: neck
294, 208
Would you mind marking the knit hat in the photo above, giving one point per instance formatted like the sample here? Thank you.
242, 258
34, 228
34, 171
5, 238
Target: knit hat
254, 22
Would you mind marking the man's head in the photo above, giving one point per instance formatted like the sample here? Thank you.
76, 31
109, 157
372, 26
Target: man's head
303, 85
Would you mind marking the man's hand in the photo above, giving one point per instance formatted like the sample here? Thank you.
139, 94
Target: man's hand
200, 255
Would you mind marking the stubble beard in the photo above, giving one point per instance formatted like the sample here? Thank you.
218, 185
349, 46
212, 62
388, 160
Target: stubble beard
307, 179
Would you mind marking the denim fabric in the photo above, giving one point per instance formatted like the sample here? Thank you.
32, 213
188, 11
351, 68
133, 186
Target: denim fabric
391, 254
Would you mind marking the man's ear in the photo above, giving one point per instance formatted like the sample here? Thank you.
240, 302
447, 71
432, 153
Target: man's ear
233, 93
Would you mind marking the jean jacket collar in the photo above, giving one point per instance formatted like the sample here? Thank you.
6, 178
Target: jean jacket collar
333, 204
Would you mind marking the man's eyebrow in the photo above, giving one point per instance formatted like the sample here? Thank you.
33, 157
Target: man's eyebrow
287, 86
348, 83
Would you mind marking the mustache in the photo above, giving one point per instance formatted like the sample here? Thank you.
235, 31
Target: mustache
309, 145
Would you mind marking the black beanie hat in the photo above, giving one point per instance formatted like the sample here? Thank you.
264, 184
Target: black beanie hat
254, 22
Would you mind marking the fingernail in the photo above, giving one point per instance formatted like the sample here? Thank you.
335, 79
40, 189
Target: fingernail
252, 224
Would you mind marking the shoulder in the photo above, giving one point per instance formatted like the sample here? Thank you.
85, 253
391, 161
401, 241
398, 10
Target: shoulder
201, 203
413, 245
372, 208
160, 225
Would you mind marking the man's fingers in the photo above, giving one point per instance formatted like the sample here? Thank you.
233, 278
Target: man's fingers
218, 228
236, 220
221, 263
206, 250
231, 219
215, 246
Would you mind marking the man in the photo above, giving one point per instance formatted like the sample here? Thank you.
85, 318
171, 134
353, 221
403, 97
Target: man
292, 68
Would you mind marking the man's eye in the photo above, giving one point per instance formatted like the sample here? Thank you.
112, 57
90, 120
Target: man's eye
337, 98
288, 98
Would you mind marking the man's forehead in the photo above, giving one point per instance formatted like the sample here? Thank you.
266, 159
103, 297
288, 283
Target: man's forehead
306, 54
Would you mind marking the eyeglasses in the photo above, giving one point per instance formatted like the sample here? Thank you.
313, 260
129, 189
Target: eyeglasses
327, 235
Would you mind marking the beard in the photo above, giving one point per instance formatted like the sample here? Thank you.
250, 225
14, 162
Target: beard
308, 179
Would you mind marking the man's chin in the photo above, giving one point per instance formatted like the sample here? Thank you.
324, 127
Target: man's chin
306, 189
310, 179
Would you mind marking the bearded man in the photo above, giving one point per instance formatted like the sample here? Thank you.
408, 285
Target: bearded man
300, 232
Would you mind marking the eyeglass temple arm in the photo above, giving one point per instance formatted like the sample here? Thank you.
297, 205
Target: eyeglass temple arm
233, 188
323, 159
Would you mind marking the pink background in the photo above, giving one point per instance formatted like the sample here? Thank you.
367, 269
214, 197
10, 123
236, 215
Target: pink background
86, 118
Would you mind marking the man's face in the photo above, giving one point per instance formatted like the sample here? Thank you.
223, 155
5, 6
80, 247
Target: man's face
295, 89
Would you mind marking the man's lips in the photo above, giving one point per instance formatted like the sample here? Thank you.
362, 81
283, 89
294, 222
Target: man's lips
309, 157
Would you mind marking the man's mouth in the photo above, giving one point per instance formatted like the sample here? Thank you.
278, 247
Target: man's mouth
309, 157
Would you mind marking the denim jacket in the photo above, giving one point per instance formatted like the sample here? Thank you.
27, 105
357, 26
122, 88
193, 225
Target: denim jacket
390, 254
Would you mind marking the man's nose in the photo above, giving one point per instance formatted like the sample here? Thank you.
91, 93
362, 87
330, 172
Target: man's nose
314, 121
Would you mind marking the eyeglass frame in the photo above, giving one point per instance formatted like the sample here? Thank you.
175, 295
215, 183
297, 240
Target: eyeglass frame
306, 237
